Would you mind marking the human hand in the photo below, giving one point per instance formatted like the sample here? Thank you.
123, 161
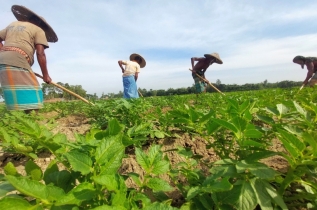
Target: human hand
47, 79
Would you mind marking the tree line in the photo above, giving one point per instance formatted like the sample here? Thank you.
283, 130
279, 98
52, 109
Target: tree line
222, 87
52, 92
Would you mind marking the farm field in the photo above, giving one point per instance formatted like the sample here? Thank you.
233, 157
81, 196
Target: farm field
245, 150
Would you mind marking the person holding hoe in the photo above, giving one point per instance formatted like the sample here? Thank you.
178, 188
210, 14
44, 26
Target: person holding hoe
22, 38
200, 68
311, 65
130, 75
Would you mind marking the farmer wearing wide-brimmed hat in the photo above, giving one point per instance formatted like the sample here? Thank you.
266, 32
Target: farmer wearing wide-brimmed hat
311, 65
22, 38
130, 75
200, 68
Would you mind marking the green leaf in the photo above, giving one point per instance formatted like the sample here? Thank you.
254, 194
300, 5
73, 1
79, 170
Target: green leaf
9, 169
108, 148
54, 193
159, 134
291, 142
300, 109
211, 185
272, 110
142, 159
260, 170
206, 118
225, 162
180, 121
282, 109
293, 130
206, 201
223, 171
229, 197
233, 103
20, 148
14, 203
211, 127
159, 206
226, 125
161, 167
311, 140
79, 161
112, 182
33, 170
251, 143
83, 192
5, 187
141, 197
114, 128
239, 123
263, 198
29, 187
193, 115
62, 179
136, 178
158, 184
247, 198
265, 119
4, 135
260, 155
275, 196
252, 132
51, 168
112, 207
64, 207
154, 154
192, 192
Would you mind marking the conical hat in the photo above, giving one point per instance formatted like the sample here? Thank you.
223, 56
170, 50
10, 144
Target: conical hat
132, 56
23, 14
215, 55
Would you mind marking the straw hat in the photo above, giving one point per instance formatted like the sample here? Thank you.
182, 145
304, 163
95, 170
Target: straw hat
132, 57
23, 14
215, 55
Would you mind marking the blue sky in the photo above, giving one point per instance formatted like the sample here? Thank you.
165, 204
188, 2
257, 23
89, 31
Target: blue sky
256, 40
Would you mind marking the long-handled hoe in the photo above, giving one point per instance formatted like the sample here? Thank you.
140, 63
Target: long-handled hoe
70, 92
140, 93
208, 83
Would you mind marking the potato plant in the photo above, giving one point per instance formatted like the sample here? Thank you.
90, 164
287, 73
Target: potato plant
239, 127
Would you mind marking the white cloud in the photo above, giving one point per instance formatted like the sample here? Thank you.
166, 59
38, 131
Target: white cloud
249, 36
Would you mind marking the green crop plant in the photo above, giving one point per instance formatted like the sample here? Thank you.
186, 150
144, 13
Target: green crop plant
239, 128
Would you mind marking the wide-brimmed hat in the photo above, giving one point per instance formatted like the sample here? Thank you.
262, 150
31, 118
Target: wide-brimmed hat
132, 57
215, 55
24, 14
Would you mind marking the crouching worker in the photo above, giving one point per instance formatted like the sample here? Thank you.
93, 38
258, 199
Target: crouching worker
311, 65
21, 39
130, 75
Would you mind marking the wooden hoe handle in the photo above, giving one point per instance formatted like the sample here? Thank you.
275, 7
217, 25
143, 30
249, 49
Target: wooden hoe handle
208, 82
70, 92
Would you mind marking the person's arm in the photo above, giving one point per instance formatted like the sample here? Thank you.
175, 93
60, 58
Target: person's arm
1, 45
41, 58
120, 64
310, 68
136, 75
193, 59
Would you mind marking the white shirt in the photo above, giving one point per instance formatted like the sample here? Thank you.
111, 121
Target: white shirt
130, 68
